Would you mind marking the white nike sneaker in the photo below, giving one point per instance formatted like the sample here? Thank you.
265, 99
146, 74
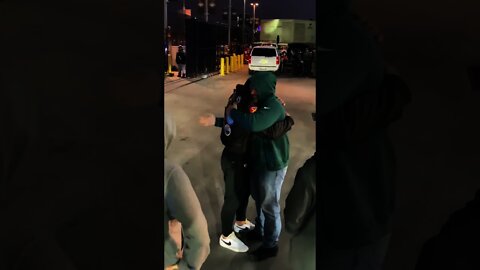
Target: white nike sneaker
247, 226
233, 243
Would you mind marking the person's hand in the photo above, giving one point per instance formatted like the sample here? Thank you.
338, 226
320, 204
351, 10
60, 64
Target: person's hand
173, 222
172, 267
179, 254
175, 233
207, 120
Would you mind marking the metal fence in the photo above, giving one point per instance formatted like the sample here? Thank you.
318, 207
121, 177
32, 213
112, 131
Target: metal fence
201, 41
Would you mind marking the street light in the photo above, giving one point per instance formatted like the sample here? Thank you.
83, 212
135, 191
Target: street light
254, 5
205, 6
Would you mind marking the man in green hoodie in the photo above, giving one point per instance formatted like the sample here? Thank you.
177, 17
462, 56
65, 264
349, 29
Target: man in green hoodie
269, 160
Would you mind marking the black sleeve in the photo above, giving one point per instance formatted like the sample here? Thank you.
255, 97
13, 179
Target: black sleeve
300, 201
219, 121
357, 118
279, 128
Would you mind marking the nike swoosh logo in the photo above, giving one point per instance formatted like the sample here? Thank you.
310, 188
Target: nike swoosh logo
266, 108
227, 243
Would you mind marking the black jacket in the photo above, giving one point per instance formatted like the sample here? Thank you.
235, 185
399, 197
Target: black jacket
181, 58
357, 166
356, 158
237, 140
365, 114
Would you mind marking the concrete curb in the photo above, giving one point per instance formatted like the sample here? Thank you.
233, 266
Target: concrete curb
208, 75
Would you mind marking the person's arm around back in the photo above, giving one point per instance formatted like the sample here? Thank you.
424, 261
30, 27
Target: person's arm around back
279, 128
262, 119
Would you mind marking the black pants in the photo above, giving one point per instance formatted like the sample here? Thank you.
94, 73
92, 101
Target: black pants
237, 191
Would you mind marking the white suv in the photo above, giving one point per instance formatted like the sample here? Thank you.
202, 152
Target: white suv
264, 58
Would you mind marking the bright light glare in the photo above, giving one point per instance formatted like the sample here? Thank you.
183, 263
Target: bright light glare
271, 26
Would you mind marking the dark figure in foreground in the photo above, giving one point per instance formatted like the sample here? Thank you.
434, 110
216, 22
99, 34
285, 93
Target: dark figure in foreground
181, 204
457, 245
300, 216
356, 165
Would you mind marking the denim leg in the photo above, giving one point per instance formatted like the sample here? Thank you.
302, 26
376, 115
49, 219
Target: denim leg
184, 70
254, 188
269, 187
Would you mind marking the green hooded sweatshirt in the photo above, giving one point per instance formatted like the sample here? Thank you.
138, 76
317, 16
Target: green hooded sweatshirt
264, 153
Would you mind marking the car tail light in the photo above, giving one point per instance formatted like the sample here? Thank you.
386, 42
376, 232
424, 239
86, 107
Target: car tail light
249, 60
278, 60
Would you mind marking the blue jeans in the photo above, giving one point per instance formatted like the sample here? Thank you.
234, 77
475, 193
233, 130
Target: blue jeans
266, 187
181, 70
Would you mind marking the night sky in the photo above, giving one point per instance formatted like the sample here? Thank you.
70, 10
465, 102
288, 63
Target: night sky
267, 9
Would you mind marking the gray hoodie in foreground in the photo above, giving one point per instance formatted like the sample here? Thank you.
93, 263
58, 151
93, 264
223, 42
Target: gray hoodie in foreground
181, 203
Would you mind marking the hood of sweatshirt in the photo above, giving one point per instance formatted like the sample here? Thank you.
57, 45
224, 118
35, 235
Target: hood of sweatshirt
264, 82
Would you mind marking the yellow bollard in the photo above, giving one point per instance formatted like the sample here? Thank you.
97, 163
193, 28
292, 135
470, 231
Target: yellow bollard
239, 62
169, 70
232, 68
227, 66
242, 59
222, 67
